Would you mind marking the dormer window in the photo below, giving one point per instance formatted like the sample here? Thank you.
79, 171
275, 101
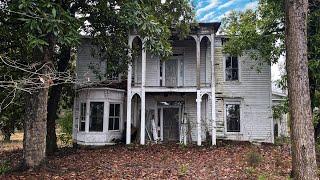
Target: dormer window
232, 68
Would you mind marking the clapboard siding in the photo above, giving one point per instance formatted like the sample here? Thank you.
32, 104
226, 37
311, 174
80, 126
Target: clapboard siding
86, 58
253, 91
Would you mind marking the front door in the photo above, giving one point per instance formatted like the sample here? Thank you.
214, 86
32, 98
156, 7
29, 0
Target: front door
171, 124
171, 73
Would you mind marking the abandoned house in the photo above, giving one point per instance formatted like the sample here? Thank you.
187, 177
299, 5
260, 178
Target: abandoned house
199, 94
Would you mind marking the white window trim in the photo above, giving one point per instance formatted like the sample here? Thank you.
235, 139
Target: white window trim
224, 69
120, 118
85, 118
89, 114
233, 101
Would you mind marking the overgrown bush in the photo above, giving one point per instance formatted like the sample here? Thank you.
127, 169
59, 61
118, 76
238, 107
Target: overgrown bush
4, 167
65, 123
254, 158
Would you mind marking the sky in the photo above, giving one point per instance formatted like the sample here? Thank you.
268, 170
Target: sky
215, 10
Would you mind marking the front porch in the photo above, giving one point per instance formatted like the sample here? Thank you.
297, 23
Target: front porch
183, 117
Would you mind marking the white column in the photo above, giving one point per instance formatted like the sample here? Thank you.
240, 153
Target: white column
128, 133
198, 62
213, 94
198, 118
143, 95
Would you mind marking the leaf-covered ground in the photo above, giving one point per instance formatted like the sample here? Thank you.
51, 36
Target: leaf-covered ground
168, 161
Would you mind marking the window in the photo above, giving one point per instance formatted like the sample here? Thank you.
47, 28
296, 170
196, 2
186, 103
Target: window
233, 117
232, 69
96, 116
83, 107
114, 117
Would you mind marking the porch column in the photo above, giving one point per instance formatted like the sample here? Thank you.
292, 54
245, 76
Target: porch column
198, 118
128, 133
213, 94
143, 95
198, 61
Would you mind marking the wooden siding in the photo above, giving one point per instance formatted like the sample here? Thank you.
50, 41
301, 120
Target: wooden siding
86, 58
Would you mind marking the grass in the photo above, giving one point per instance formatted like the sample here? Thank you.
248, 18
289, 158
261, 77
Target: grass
15, 143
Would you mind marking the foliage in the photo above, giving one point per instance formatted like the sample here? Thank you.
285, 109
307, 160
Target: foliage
4, 167
11, 119
280, 109
183, 169
109, 23
260, 33
254, 158
66, 123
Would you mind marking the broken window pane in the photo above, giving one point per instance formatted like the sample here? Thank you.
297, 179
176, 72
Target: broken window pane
232, 70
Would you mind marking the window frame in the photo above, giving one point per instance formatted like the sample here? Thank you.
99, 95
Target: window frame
103, 116
80, 115
232, 102
120, 116
225, 68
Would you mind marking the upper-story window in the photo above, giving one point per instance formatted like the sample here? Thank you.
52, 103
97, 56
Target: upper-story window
232, 68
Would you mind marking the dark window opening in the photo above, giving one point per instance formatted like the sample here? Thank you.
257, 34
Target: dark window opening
232, 69
233, 117
96, 116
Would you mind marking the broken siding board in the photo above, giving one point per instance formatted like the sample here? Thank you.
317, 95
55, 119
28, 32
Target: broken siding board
254, 89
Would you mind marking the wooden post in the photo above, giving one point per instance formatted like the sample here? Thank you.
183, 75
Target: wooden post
128, 133
213, 94
198, 61
198, 100
143, 95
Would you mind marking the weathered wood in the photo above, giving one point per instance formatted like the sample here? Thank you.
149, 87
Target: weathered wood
143, 95
303, 146
213, 93
129, 98
198, 100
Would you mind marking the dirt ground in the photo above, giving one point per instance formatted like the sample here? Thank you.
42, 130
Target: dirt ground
229, 160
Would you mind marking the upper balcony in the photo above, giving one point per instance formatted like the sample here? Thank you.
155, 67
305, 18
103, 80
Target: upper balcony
189, 67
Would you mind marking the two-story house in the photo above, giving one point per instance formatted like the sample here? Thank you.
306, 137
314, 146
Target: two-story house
198, 94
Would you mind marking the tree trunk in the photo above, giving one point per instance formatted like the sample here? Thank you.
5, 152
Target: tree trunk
302, 132
35, 128
35, 123
6, 137
53, 103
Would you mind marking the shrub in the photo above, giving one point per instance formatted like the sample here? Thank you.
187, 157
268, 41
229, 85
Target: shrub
254, 158
183, 170
4, 167
65, 123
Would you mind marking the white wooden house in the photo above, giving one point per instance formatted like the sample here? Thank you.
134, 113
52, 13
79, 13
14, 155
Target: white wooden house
199, 93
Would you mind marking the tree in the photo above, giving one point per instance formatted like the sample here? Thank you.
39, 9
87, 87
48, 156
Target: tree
264, 41
303, 147
46, 27
44, 24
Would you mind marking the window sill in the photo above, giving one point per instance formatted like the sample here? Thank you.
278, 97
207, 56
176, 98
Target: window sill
114, 130
233, 133
232, 82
